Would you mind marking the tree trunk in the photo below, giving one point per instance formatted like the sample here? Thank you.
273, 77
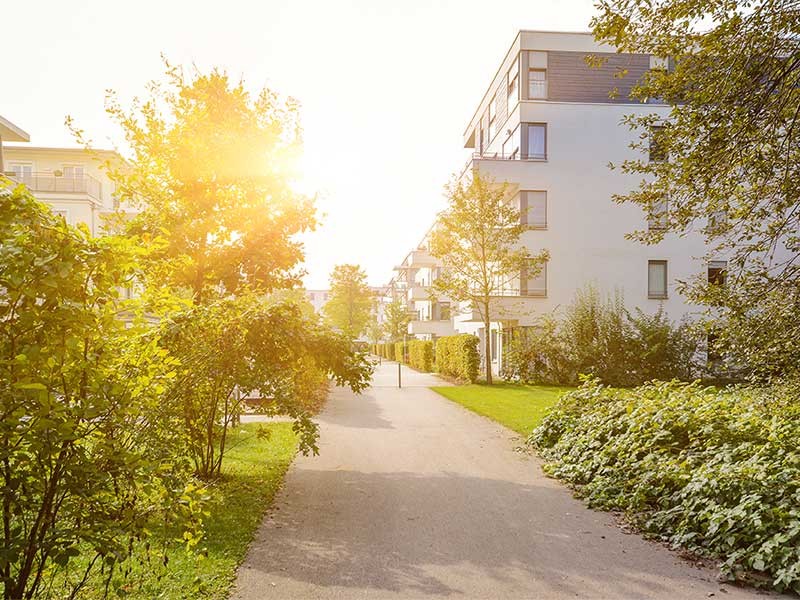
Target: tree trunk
487, 346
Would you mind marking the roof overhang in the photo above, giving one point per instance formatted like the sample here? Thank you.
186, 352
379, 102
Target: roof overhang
11, 133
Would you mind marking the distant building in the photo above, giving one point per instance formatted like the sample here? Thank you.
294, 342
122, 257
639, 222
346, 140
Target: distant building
318, 298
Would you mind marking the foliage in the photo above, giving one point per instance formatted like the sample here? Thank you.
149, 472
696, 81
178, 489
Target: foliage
732, 168
477, 239
602, 338
213, 173
400, 352
457, 356
253, 347
89, 459
715, 471
350, 302
396, 319
518, 407
420, 355
385, 350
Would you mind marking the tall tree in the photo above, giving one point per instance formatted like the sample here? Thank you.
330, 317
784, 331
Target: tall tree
350, 303
477, 238
727, 158
212, 171
396, 319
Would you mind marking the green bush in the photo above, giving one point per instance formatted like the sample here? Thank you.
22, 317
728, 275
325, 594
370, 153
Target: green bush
420, 355
714, 471
457, 356
400, 352
602, 338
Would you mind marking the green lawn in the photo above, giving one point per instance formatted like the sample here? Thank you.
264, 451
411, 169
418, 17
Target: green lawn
518, 407
252, 472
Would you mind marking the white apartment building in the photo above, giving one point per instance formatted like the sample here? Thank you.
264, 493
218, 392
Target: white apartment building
549, 126
70, 180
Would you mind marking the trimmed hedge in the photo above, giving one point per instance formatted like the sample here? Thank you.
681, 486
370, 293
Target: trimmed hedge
714, 471
457, 356
400, 352
420, 355
384, 350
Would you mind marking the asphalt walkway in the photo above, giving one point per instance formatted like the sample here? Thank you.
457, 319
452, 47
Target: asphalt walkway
413, 496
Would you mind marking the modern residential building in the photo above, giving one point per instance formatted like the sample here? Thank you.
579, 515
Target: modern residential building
549, 124
317, 298
70, 180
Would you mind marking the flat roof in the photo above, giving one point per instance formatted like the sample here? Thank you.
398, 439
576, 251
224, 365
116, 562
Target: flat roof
11, 133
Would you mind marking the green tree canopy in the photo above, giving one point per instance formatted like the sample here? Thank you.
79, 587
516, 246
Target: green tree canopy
212, 170
349, 306
477, 239
396, 319
728, 154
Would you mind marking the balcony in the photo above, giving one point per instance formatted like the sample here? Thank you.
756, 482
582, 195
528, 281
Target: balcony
498, 161
506, 306
421, 258
50, 183
425, 327
419, 293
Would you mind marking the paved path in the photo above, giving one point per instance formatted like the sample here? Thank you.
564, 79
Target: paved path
414, 497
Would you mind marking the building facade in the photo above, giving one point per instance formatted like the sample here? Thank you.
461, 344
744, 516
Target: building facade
549, 125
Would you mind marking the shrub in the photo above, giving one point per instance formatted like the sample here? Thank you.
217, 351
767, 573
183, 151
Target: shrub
602, 338
420, 355
400, 352
714, 471
457, 356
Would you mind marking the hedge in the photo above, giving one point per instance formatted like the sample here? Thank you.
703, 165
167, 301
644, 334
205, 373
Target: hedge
457, 356
400, 352
384, 350
420, 355
714, 471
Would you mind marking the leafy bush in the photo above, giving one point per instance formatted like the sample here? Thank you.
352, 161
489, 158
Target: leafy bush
457, 356
400, 352
420, 355
714, 471
602, 338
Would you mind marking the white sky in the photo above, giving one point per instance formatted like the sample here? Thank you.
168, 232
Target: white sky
387, 89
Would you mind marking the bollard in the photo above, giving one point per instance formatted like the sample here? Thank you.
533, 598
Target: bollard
399, 378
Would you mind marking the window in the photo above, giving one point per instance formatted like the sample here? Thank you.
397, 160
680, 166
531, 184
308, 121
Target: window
444, 311
21, 171
537, 84
658, 152
512, 86
493, 343
535, 285
537, 141
658, 216
511, 145
73, 171
717, 270
533, 209
657, 279
492, 124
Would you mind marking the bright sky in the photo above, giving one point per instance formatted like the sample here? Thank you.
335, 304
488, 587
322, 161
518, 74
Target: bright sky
387, 89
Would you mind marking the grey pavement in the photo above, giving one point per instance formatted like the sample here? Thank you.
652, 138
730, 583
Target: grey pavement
414, 497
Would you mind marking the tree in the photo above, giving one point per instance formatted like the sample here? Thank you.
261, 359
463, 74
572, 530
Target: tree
727, 158
477, 239
212, 171
350, 302
89, 460
396, 319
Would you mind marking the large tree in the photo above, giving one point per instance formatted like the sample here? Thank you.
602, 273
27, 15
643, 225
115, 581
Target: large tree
212, 171
349, 306
396, 319
727, 158
477, 239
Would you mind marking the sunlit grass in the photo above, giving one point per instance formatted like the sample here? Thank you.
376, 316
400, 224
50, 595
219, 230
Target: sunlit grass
518, 407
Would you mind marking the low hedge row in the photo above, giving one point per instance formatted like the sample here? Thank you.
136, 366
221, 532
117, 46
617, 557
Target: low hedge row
457, 356
714, 471
384, 350
420, 355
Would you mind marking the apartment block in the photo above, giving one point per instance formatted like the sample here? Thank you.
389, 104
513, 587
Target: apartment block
549, 124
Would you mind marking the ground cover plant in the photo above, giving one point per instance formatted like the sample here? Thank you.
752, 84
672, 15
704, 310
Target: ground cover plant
518, 407
716, 471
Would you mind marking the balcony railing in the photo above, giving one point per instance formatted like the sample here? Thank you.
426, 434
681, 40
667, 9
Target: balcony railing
49, 182
501, 156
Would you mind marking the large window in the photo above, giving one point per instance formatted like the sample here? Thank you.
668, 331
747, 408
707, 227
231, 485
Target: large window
717, 271
536, 284
512, 86
533, 209
657, 279
537, 141
22, 171
658, 151
511, 145
658, 216
537, 84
